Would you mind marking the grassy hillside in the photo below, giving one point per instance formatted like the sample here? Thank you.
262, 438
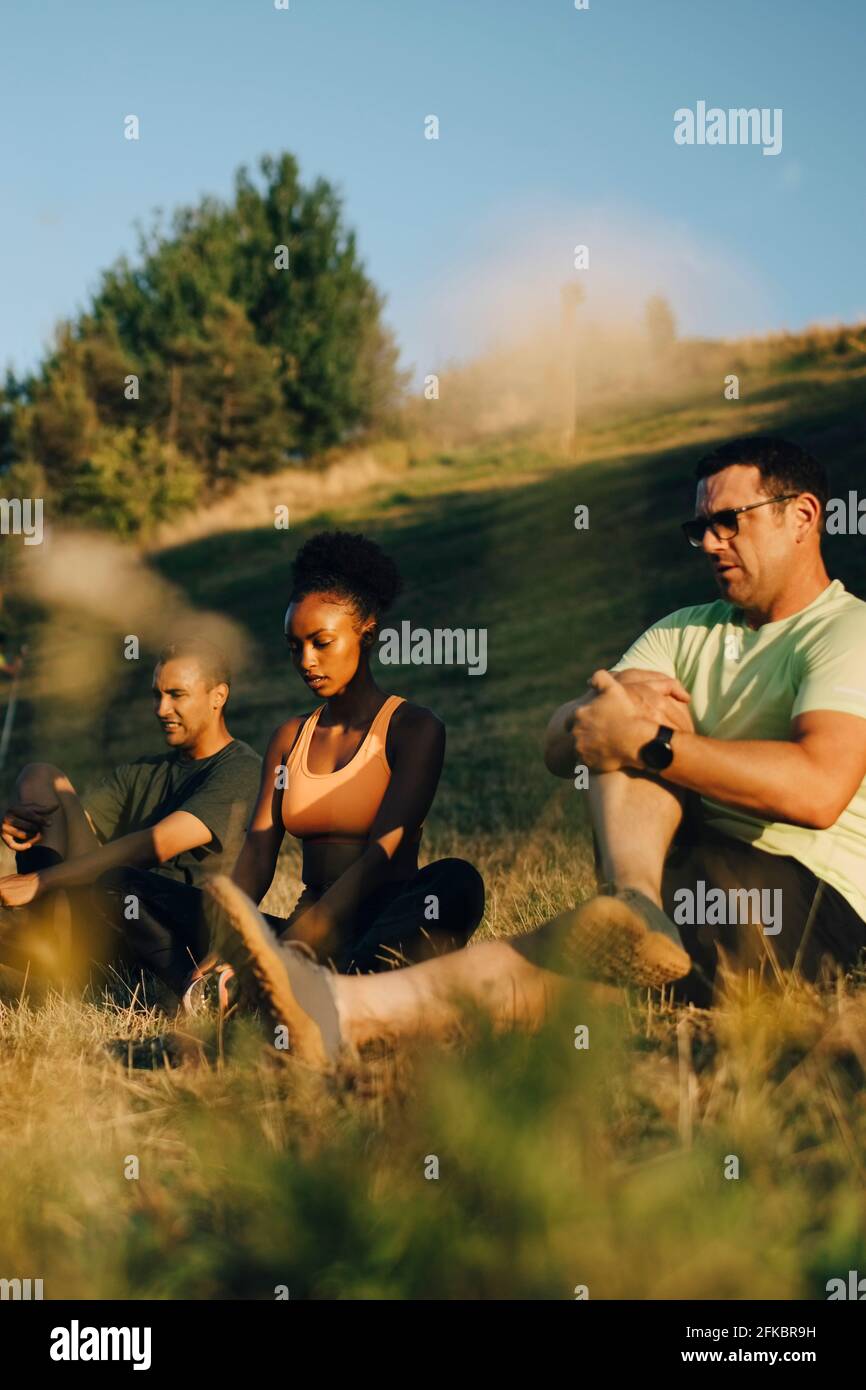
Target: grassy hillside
558, 1167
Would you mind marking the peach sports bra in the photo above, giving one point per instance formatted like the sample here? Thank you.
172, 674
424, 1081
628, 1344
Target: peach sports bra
342, 804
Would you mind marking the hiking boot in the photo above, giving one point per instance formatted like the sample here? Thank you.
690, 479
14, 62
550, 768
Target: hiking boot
283, 977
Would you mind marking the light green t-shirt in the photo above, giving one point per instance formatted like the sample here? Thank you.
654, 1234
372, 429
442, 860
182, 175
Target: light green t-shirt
750, 684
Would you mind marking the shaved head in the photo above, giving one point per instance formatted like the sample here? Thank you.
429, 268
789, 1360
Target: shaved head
211, 662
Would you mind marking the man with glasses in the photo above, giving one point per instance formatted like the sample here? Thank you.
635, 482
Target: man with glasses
729, 742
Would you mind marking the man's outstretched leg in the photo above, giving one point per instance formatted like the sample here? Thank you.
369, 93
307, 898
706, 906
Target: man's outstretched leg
513, 983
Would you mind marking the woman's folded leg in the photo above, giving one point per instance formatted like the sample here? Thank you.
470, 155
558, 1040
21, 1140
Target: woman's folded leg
429, 915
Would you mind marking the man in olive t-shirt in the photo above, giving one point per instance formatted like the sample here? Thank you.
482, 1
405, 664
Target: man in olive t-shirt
218, 790
147, 837
749, 716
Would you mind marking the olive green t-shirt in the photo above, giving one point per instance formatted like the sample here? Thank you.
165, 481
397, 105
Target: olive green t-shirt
220, 791
750, 684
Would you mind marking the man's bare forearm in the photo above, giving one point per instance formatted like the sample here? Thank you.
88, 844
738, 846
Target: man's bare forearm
773, 779
652, 692
138, 849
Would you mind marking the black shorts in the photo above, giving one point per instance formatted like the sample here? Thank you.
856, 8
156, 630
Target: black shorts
810, 924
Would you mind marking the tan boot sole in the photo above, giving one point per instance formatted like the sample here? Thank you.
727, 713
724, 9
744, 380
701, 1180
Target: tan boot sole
608, 941
243, 938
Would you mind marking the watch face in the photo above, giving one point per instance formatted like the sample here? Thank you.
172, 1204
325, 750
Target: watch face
657, 755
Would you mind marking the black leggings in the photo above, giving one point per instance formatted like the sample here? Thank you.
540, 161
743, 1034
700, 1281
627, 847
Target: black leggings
148, 919
130, 916
435, 911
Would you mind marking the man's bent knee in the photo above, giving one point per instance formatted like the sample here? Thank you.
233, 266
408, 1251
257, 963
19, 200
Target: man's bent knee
35, 779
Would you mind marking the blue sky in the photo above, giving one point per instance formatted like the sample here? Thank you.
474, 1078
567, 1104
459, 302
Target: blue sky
556, 127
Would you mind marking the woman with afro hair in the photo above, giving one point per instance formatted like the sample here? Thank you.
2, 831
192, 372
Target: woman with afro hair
353, 780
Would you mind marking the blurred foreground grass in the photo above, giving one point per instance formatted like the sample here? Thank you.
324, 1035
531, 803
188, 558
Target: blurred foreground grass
557, 1167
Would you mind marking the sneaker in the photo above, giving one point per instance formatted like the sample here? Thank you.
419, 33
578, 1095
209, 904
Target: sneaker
213, 989
655, 917
284, 977
608, 940
656, 920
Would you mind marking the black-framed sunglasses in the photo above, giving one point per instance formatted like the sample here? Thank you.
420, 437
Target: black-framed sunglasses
725, 524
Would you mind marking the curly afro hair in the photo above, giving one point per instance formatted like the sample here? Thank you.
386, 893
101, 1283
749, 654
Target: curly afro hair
338, 562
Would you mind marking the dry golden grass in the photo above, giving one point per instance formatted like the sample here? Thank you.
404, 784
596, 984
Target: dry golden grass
558, 1167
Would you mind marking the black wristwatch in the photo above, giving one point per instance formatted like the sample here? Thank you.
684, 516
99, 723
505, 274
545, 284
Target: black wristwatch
658, 754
